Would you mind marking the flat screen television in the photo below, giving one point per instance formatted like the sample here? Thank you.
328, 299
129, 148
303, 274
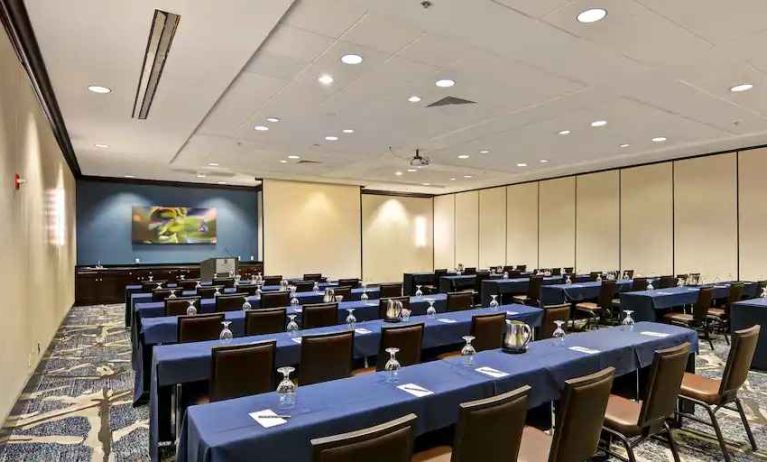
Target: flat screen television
173, 225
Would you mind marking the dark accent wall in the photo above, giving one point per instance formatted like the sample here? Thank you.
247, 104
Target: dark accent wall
104, 222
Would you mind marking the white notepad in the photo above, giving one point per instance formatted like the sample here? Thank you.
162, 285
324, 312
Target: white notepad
446, 320
415, 390
512, 313
653, 334
588, 351
495, 373
296, 339
371, 304
362, 331
261, 418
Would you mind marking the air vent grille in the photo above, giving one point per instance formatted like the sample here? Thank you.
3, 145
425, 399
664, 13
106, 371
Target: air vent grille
451, 101
158, 44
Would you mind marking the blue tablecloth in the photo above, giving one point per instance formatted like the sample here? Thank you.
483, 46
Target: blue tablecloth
224, 431
563, 293
746, 314
185, 363
164, 330
647, 303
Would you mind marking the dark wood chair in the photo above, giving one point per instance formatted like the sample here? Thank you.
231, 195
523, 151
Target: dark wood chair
343, 291
149, 286
303, 286
487, 330
275, 299
178, 306
488, 430
469, 271
272, 280
209, 291
247, 289
633, 422
579, 422
433, 286
720, 315
383, 303
553, 313
226, 283
459, 301
319, 315
699, 319
595, 275
199, 327
533, 296
314, 277
521, 268
265, 321
390, 290
603, 305
409, 340
391, 442
159, 295
350, 282
242, 370
188, 284
325, 357
666, 282
230, 302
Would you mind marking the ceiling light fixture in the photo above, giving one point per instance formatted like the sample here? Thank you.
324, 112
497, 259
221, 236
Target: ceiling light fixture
283, 161
564, 132
414, 99
221, 182
294, 157
521, 164
484, 151
351, 59
592, 15
426, 184
412, 170
452, 179
161, 33
624, 145
130, 176
325, 79
467, 176
463, 156
444, 83
273, 119
200, 175
398, 173
659, 139
99, 89
102, 146
261, 128
213, 164
741, 87
543, 161
331, 138
348, 130
599, 123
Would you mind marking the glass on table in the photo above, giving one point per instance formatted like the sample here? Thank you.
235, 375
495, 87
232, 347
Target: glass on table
292, 326
246, 305
506, 275
293, 297
431, 311
418, 291
568, 279
191, 310
649, 284
339, 298
218, 292
494, 301
559, 332
286, 389
316, 286
628, 321
226, 333
405, 315
172, 293
364, 295
468, 351
392, 366
350, 319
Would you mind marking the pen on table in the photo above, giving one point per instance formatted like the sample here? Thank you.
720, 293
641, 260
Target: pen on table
274, 417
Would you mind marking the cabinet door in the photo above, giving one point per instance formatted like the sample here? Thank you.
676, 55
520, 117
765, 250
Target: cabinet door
86, 288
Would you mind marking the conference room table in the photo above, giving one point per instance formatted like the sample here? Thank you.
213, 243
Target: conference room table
749, 313
516, 286
649, 305
152, 331
225, 431
190, 362
556, 294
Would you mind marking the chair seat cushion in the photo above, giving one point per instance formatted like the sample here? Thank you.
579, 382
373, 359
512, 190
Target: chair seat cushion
449, 354
588, 306
678, 317
718, 312
622, 415
700, 388
535, 445
437, 454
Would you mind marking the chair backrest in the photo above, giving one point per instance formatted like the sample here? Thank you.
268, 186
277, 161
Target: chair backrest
664, 383
553, 313
149, 286
199, 327
265, 321
248, 289
314, 277
230, 302
666, 282
226, 283
607, 291
161, 294
470, 270
458, 301
490, 429
383, 302
628, 273
568, 269
702, 304
408, 339
638, 284
241, 370
556, 271
580, 417
735, 294
303, 286
188, 284
178, 306
319, 315
274, 299
325, 357
209, 291
438, 273
349, 282
744, 344
487, 330
522, 268
534, 287
345, 292
391, 441
594, 275
272, 280
508, 268
390, 290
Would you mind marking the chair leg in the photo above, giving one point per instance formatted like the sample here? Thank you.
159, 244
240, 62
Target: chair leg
672, 442
715, 424
745, 424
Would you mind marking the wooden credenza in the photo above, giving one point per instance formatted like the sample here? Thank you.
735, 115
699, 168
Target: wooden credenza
95, 286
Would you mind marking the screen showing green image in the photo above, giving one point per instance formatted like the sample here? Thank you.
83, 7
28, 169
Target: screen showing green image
173, 225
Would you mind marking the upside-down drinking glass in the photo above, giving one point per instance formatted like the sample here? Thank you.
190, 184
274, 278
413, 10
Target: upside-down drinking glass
568, 280
649, 284
246, 305
418, 291
191, 310
286, 389
316, 287
405, 315
494, 301
431, 311
293, 298
172, 293
226, 334
364, 295
292, 327
628, 321
559, 332
350, 319
468, 351
392, 366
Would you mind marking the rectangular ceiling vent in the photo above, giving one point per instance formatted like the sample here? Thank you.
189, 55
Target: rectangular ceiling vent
451, 100
161, 35
302, 161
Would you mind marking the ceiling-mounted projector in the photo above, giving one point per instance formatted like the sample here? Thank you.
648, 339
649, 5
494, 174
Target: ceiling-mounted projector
418, 160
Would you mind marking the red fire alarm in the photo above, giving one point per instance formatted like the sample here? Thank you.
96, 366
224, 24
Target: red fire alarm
18, 181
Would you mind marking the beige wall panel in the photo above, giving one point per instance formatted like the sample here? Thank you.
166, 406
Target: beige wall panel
311, 227
705, 216
753, 214
557, 223
396, 236
444, 231
38, 226
492, 227
598, 222
647, 219
467, 228
522, 225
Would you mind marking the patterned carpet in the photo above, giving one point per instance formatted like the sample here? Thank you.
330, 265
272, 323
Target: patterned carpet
77, 405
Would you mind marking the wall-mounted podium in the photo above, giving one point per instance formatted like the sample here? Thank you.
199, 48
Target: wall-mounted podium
218, 267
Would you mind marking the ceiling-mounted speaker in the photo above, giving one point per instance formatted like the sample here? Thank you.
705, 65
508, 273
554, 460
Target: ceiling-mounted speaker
161, 35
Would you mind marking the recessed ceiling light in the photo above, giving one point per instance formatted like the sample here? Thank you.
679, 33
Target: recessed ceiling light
521, 164
467, 176
273, 119
426, 184
452, 179
398, 173
200, 175
99, 89
325, 79
261, 128
351, 59
412, 170
592, 15
564, 132
294, 157
659, 139
543, 161
213, 164
348, 130
283, 161
599, 123
221, 182
484, 151
102, 146
129, 176
414, 99
741, 87
331, 138
463, 156
624, 145
444, 83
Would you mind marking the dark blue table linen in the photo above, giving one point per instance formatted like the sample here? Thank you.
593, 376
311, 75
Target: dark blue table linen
749, 313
